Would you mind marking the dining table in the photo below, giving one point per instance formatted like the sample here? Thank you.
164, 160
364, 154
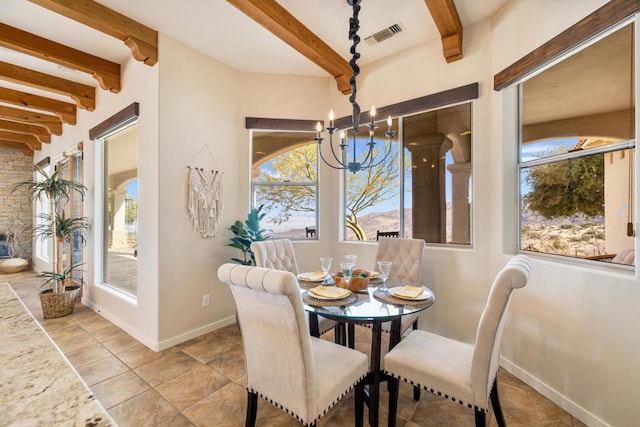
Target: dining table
372, 306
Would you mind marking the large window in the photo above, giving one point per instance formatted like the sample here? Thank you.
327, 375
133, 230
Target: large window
121, 209
577, 153
423, 190
42, 246
71, 252
285, 182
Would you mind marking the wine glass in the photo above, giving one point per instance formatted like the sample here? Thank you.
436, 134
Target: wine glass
325, 263
351, 258
385, 269
347, 270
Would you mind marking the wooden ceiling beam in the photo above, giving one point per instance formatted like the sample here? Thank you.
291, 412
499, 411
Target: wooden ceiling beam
83, 95
285, 26
38, 131
107, 73
445, 15
52, 123
17, 146
23, 138
141, 40
66, 111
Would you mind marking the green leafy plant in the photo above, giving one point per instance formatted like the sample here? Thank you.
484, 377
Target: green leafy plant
246, 233
56, 191
63, 276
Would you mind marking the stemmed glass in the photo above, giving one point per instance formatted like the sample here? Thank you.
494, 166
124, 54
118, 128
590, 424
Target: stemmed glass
325, 263
351, 258
385, 269
347, 270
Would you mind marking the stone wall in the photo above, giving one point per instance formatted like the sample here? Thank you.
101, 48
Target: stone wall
16, 213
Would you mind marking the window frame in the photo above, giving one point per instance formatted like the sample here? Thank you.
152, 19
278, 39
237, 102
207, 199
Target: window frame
253, 183
597, 34
125, 118
409, 109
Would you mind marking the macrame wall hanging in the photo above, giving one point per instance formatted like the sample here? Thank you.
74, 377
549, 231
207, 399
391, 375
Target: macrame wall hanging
205, 197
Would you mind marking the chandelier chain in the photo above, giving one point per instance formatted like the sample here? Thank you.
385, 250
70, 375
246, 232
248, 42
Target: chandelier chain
354, 27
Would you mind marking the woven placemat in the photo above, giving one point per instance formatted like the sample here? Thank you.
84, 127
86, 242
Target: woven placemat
317, 302
385, 296
305, 284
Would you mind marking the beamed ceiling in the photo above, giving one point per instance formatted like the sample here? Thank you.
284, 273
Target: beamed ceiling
36, 104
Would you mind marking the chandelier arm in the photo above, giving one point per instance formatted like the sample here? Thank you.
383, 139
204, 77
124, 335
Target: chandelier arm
369, 153
329, 164
354, 26
388, 144
333, 152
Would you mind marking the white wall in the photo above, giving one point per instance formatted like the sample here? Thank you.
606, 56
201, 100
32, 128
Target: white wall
139, 84
202, 110
570, 331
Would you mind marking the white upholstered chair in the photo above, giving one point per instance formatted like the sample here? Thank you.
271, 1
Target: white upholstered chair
465, 373
303, 375
278, 254
406, 257
625, 256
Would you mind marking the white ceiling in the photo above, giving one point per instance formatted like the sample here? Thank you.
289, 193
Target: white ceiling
219, 30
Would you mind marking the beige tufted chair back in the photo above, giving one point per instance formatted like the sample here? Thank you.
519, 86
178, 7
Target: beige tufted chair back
486, 352
276, 255
406, 256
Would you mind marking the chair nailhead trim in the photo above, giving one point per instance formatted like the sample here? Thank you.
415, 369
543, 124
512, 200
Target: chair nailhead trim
296, 416
469, 405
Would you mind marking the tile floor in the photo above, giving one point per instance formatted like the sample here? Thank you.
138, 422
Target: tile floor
202, 382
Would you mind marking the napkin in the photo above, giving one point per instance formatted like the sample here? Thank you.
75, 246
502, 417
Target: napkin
314, 276
329, 292
409, 291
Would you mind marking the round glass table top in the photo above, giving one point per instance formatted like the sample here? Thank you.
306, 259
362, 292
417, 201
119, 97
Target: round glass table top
369, 307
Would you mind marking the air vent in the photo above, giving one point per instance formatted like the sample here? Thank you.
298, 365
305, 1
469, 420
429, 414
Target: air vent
385, 34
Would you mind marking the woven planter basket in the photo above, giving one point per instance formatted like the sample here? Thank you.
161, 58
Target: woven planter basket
60, 304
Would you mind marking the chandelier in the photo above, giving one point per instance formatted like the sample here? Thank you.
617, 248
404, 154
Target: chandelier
358, 161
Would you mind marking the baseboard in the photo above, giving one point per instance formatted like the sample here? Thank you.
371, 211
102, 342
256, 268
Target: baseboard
151, 343
164, 344
550, 393
128, 328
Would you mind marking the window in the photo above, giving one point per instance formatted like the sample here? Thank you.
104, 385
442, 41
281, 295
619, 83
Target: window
71, 253
121, 213
118, 245
577, 153
430, 198
42, 211
285, 182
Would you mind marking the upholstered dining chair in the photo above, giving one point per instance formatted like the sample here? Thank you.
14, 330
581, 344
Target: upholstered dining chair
278, 254
406, 257
465, 373
303, 375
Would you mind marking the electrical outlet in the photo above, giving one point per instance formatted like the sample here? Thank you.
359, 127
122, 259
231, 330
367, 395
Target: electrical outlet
205, 300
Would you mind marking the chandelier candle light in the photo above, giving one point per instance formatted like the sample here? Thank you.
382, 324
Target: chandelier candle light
341, 162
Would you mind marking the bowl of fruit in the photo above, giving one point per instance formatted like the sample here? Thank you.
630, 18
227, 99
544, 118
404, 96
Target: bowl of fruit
359, 280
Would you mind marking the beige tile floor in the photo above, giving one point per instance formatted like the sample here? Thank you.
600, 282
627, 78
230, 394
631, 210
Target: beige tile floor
202, 382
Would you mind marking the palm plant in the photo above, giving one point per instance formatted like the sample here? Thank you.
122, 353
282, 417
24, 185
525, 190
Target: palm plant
55, 190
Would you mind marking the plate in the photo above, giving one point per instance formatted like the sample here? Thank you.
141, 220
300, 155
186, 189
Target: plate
339, 295
423, 296
313, 276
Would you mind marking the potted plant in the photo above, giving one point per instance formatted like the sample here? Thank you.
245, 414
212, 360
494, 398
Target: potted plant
247, 233
60, 299
15, 263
